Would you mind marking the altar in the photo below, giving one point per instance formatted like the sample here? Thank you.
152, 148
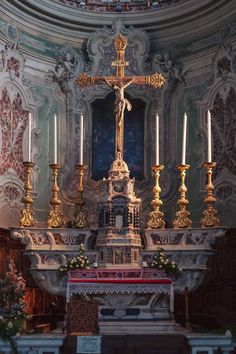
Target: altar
130, 301
134, 293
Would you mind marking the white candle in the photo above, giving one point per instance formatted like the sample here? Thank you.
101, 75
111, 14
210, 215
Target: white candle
29, 138
157, 139
184, 139
81, 139
209, 156
54, 138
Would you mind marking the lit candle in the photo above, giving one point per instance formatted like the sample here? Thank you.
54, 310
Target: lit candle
81, 139
29, 138
184, 139
157, 139
54, 138
209, 157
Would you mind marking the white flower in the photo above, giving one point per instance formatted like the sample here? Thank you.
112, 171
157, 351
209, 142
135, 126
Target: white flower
10, 325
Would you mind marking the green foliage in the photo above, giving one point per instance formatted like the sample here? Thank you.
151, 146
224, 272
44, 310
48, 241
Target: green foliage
79, 262
12, 307
160, 261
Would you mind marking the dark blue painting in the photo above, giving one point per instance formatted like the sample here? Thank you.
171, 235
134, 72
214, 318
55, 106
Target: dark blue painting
103, 136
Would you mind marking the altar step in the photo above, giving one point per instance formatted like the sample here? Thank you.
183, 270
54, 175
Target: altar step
138, 327
136, 344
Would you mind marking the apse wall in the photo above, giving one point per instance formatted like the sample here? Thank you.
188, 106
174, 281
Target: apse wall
45, 46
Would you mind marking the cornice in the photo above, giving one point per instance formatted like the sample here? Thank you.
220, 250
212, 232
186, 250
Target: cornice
172, 25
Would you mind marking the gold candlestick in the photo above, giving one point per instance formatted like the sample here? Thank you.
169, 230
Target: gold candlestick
80, 215
27, 214
156, 217
182, 216
209, 218
55, 217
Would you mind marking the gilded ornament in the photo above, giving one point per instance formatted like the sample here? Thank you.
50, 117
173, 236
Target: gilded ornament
210, 218
182, 219
155, 80
121, 42
27, 214
80, 214
156, 217
118, 83
84, 80
55, 218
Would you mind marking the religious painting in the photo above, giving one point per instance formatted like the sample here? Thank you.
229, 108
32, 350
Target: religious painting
103, 136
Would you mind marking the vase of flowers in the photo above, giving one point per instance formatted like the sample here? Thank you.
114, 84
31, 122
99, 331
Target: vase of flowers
79, 262
13, 312
161, 262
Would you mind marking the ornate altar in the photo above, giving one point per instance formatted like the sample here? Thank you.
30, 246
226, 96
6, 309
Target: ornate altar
132, 299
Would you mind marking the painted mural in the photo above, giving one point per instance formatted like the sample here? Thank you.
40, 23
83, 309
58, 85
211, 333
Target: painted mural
103, 137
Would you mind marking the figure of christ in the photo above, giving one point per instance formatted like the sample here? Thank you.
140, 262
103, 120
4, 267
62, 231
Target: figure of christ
121, 103
118, 83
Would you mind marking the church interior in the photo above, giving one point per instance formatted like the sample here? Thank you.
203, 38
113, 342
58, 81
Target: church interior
118, 176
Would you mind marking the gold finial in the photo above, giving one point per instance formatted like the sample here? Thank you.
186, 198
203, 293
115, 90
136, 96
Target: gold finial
155, 80
84, 80
121, 43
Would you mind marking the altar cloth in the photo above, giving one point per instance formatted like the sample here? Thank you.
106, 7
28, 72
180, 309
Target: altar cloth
118, 281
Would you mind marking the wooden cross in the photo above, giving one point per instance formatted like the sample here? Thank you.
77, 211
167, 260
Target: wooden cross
118, 83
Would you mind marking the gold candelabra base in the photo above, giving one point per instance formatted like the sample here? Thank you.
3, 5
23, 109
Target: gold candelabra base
55, 217
182, 219
210, 218
27, 214
156, 217
80, 214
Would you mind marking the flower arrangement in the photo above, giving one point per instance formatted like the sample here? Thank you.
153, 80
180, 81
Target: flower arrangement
13, 310
79, 262
160, 261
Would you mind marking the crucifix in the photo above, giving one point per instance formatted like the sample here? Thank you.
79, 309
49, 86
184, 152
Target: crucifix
118, 83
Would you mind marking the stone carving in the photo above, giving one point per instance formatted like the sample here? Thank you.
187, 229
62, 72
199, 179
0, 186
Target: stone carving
11, 189
221, 61
223, 129
167, 65
101, 50
67, 65
52, 239
12, 61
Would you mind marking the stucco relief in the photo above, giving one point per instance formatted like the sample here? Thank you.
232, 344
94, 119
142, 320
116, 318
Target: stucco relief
67, 66
14, 112
13, 123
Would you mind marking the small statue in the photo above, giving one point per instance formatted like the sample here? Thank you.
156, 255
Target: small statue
65, 69
169, 66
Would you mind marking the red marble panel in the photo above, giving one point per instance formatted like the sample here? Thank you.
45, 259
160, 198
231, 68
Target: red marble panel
13, 122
